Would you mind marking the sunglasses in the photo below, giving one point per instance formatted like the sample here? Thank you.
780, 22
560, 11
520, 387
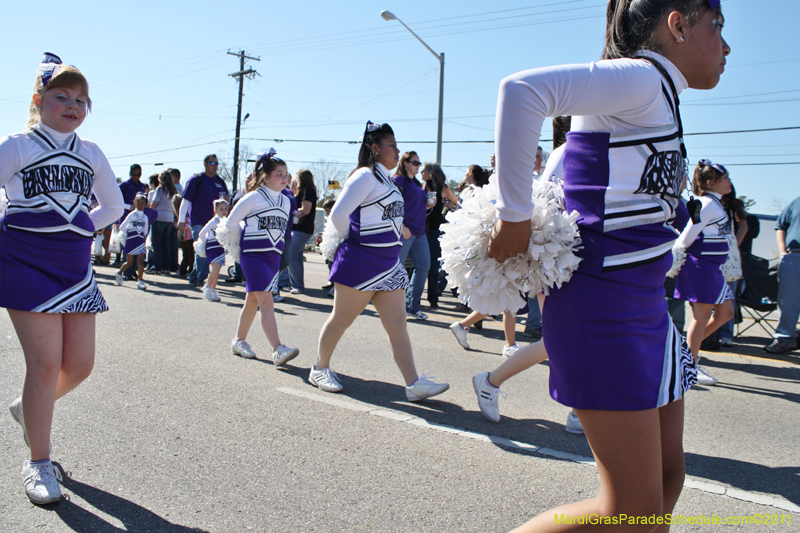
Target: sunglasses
415, 163
213, 163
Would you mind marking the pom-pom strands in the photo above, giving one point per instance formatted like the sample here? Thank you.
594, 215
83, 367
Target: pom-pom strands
732, 269
330, 241
490, 287
200, 248
228, 240
678, 259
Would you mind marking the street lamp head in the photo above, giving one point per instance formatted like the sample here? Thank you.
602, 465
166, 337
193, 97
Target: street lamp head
388, 15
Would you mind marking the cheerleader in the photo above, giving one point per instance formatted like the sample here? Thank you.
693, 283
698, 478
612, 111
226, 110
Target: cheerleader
50, 174
256, 227
698, 254
209, 247
615, 356
368, 215
136, 226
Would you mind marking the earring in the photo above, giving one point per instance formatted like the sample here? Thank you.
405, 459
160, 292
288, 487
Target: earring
680, 39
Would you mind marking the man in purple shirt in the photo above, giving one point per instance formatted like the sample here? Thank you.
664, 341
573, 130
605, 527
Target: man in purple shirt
198, 202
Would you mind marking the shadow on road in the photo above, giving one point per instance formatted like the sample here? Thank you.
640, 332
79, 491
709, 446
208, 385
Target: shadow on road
134, 518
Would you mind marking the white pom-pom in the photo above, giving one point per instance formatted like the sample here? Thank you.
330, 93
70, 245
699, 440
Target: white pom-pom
229, 240
678, 259
200, 248
732, 269
491, 287
330, 241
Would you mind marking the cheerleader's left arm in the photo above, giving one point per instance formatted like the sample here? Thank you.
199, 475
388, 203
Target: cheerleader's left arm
107, 192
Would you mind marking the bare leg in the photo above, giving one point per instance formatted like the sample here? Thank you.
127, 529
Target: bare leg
471, 319
77, 359
673, 464
129, 259
247, 315
510, 327
268, 322
391, 307
140, 266
722, 314
526, 357
106, 241
347, 305
629, 449
213, 275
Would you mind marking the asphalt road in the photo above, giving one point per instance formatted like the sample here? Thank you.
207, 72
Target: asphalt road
172, 433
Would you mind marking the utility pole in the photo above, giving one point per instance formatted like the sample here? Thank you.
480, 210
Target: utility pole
250, 73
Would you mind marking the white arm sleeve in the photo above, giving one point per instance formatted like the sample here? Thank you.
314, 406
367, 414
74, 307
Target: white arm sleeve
240, 211
10, 160
185, 206
622, 88
692, 230
355, 191
109, 197
125, 223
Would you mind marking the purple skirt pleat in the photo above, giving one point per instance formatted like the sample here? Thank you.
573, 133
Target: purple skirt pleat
260, 270
367, 269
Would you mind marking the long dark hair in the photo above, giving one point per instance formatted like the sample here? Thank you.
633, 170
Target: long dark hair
401, 166
438, 180
561, 126
305, 181
165, 182
264, 166
704, 174
479, 175
631, 25
366, 157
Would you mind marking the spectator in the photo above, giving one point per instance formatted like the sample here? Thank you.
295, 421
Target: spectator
186, 243
162, 202
198, 202
788, 235
303, 230
435, 181
173, 232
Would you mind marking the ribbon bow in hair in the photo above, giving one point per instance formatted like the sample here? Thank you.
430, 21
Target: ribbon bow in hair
263, 156
49, 67
370, 127
715, 166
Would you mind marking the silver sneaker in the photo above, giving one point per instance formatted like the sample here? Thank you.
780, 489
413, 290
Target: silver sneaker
487, 396
242, 349
574, 424
509, 351
425, 387
704, 378
41, 482
283, 354
460, 333
325, 379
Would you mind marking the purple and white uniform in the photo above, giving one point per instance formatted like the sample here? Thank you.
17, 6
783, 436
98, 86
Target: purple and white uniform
611, 342
260, 217
46, 233
207, 238
706, 244
137, 226
369, 216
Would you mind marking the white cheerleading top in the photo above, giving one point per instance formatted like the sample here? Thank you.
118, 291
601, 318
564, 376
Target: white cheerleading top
54, 175
260, 217
624, 97
209, 233
136, 224
715, 225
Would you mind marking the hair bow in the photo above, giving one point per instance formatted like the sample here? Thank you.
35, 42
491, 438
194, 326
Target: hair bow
713, 4
370, 127
263, 156
49, 67
715, 166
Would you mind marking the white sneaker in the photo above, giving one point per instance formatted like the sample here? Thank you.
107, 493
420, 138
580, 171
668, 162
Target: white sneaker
242, 349
41, 482
425, 388
487, 396
460, 333
419, 315
574, 424
215, 296
704, 378
118, 278
296, 291
283, 354
325, 379
16, 414
509, 351
140, 285
208, 293
726, 343
276, 297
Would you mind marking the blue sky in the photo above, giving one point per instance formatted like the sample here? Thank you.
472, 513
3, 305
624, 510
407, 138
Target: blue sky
159, 80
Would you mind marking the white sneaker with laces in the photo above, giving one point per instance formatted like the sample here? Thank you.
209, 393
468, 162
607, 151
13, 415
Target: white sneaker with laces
276, 297
208, 293
574, 424
215, 296
460, 333
509, 351
41, 482
425, 387
296, 291
242, 349
325, 379
704, 378
487, 396
140, 285
283, 354
419, 315
118, 278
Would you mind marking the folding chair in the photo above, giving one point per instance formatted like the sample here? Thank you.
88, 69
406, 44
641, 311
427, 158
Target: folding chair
758, 296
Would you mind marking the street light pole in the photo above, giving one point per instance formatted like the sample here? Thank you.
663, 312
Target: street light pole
388, 15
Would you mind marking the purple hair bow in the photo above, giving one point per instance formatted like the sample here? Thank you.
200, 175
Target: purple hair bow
49, 67
713, 4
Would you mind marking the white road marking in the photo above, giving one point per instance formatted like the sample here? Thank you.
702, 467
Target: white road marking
704, 486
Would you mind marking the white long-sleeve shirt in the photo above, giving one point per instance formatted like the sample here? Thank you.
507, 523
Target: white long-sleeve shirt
260, 217
714, 222
617, 96
54, 175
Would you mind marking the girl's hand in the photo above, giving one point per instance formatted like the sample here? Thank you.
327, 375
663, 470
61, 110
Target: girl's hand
509, 239
406, 232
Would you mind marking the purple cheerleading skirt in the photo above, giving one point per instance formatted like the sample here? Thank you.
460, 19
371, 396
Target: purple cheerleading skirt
215, 253
47, 273
135, 245
701, 281
260, 270
368, 269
